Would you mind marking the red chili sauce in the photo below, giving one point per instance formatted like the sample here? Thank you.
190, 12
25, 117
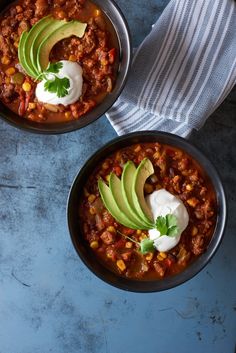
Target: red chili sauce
176, 172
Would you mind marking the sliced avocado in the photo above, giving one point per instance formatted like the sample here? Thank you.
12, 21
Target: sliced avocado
40, 25
45, 31
72, 28
21, 56
127, 180
112, 207
144, 170
115, 187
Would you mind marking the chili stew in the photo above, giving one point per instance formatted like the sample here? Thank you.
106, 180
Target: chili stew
178, 173
97, 52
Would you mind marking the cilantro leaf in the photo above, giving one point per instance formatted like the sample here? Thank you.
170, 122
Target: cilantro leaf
54, 67
167, 225
58, 85
161, 225
173, 231
146, 246
170, 220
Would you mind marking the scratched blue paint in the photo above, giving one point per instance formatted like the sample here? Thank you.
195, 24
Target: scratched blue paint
50, 302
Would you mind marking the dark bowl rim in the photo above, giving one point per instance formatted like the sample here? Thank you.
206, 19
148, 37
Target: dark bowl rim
35, 127
200, 263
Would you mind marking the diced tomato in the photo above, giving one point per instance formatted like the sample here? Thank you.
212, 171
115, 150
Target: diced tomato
118, 170
21, 110
112, 55
168, 262
119, 244
128, 231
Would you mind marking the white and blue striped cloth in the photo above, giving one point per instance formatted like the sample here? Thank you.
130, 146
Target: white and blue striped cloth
182, 71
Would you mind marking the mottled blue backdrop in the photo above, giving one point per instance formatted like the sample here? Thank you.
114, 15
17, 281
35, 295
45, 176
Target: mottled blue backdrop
50, 302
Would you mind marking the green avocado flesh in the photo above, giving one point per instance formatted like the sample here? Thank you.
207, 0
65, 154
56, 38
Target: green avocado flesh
115, 187
112, 207
127, 180
35, 45
144, 171
51, 27
28, 44
72, 28
21, 52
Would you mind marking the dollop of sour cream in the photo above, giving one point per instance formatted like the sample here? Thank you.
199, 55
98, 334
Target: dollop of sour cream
161, 203
73, 72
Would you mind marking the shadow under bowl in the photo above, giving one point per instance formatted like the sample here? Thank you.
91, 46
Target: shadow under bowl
120, 25
81, 245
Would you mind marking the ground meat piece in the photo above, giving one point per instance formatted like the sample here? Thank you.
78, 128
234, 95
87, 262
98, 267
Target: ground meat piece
59, 2
108, 237
99, 222
4, 46
41, 7
160, 269
8, 93
126, 255
197, 244
107, 218
23, 26
6, 31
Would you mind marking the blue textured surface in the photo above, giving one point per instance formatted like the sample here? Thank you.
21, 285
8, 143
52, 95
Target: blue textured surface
50, 302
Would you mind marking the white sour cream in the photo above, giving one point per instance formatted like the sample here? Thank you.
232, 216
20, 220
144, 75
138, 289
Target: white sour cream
73, 72
161, 203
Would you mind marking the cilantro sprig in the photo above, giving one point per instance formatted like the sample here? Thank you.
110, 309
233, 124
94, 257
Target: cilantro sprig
55, 84
58, 85
145, 246
167, 225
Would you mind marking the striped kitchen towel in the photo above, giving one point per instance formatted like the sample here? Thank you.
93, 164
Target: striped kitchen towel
182, 71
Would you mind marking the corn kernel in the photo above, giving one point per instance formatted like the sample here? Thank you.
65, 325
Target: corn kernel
149, 256
10, 71
193, 202
26, 86
159, 257
97, 13
91, 198
163, 255
138, 231
105, 165
31, 105
189, 187
194, 231
148, 188
16, 44
94, 244
107, 177
128, 244
111, 229
7, 80
142, 236
72, 58
121, 265
137, 149
5, 60
92, 210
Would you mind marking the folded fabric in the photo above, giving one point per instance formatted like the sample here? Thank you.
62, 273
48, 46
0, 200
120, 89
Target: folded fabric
182, 71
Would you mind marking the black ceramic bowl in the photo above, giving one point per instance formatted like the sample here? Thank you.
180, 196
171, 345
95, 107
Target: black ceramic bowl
119, 23
86, 254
